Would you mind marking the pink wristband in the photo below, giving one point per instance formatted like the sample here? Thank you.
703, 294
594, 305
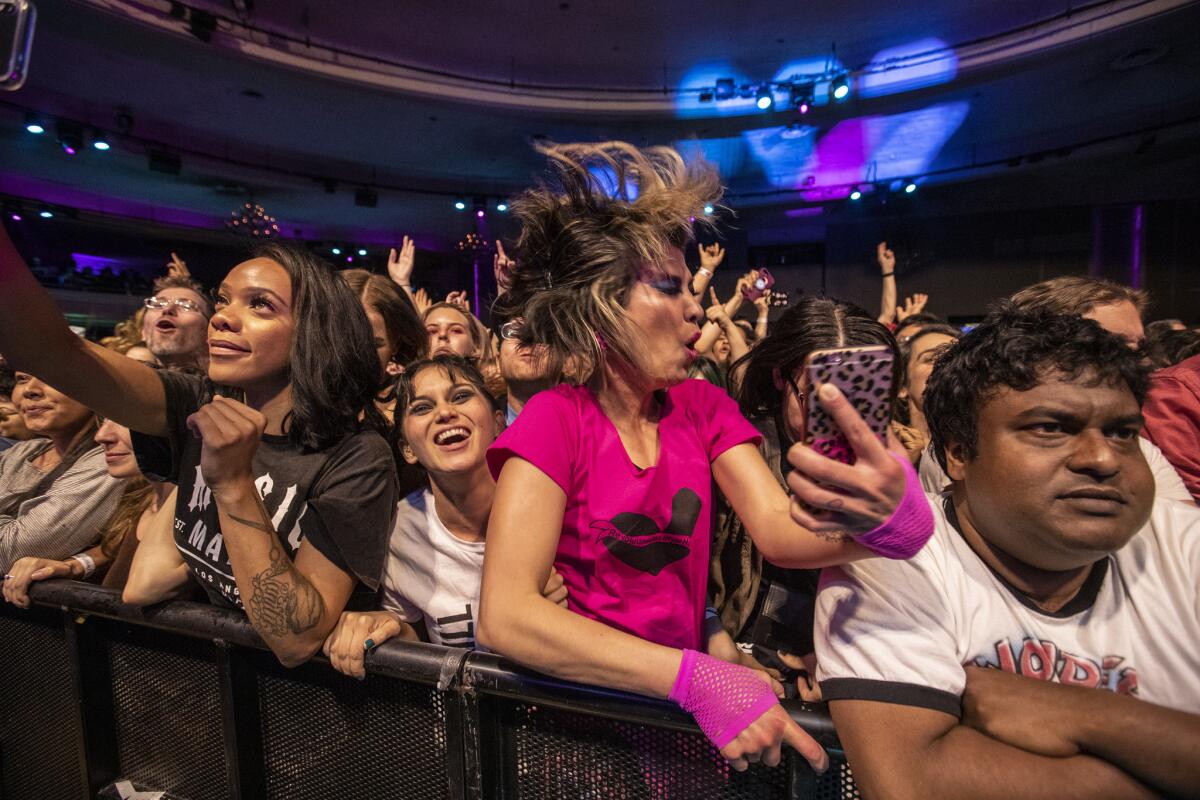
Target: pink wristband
909, 526
722, 697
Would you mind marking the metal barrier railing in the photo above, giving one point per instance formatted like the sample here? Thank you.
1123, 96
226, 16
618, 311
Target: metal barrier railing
184, 698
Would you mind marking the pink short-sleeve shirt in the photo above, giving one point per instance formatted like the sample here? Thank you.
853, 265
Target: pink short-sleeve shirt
634, 546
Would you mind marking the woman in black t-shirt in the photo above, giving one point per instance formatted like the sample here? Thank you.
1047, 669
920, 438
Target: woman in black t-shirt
286, 488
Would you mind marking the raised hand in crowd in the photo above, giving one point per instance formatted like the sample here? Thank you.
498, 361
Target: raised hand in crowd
502, 267
763, 304
914, 304
887, 270
711, 257
459, 299
421, 300
400, 264
177, 267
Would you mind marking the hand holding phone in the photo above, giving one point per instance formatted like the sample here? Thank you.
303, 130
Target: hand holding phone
759, 285
864, 376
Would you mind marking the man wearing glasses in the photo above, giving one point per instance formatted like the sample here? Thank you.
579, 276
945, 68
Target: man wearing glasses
176, 322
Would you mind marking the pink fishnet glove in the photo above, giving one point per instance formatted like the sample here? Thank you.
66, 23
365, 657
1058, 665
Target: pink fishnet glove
723, 698
909, 526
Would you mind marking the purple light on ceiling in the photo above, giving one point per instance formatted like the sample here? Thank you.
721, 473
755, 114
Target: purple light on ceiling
16, 217
803, 211
479, 213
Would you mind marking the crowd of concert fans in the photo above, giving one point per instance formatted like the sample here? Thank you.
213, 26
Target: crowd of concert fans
612, 484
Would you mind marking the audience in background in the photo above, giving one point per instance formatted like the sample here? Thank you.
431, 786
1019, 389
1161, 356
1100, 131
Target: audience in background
522, 366
286, 494
918, 352
55, 493
12, 424
1172, 411
452, 331
1046, 635
1166, 348
176, 322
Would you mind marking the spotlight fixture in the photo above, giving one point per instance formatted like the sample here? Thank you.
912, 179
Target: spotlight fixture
34, 124
801, 96
502, 206
45, 213
337, 251
708, 209
840, 88
479, 213
100, 141
856, 195
15, 217
724, 89
70, 136
764, 100
910, 187
362, 251
460, 204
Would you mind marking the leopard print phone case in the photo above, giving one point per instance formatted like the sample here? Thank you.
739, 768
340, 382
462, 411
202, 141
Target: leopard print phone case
864, 375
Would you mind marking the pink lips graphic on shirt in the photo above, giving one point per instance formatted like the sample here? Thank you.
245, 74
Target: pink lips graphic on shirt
637, 540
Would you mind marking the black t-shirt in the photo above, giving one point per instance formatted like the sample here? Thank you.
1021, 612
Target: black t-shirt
342, 499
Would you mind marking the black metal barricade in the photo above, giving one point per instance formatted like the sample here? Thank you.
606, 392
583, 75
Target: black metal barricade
184, 698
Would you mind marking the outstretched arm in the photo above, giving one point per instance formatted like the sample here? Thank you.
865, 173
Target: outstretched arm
887, 272
35, 338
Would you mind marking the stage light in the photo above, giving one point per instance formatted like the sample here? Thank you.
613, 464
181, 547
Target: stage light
764, 99
70, 136
800, 95
460, 204
724, 89
708, 209
479, 213
15, 217
502, 206
34, 124
362, 251
856, 195
45, 213
100, 141
337, 251
840, 88
910, 187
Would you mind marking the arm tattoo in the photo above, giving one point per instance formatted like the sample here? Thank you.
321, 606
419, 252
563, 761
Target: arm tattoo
279, 604
280, 607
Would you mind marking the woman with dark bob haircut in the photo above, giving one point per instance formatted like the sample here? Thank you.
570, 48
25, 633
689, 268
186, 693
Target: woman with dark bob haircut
608, 478
759, 603
286, 486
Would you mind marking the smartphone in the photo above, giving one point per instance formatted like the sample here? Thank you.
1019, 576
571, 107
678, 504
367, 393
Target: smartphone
763, 280
864, 375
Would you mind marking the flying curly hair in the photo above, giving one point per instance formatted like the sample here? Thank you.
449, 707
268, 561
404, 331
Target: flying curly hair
606, 212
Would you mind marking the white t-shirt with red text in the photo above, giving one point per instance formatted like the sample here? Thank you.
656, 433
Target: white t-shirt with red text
903, 631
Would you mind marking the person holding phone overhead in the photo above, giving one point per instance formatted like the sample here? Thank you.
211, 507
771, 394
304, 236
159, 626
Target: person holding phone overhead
758, 603
622, 461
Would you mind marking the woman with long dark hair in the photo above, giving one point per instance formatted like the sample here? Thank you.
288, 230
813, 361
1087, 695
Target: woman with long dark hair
286, 487
610, 481
759, 603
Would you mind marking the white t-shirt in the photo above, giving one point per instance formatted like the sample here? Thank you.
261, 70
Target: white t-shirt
432, 574
902, 631
1167, 483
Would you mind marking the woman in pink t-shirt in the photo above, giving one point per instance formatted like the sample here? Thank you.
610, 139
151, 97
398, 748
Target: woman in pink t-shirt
609, 479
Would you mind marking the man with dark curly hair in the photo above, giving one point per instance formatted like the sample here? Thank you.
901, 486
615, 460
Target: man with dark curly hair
1043, 643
